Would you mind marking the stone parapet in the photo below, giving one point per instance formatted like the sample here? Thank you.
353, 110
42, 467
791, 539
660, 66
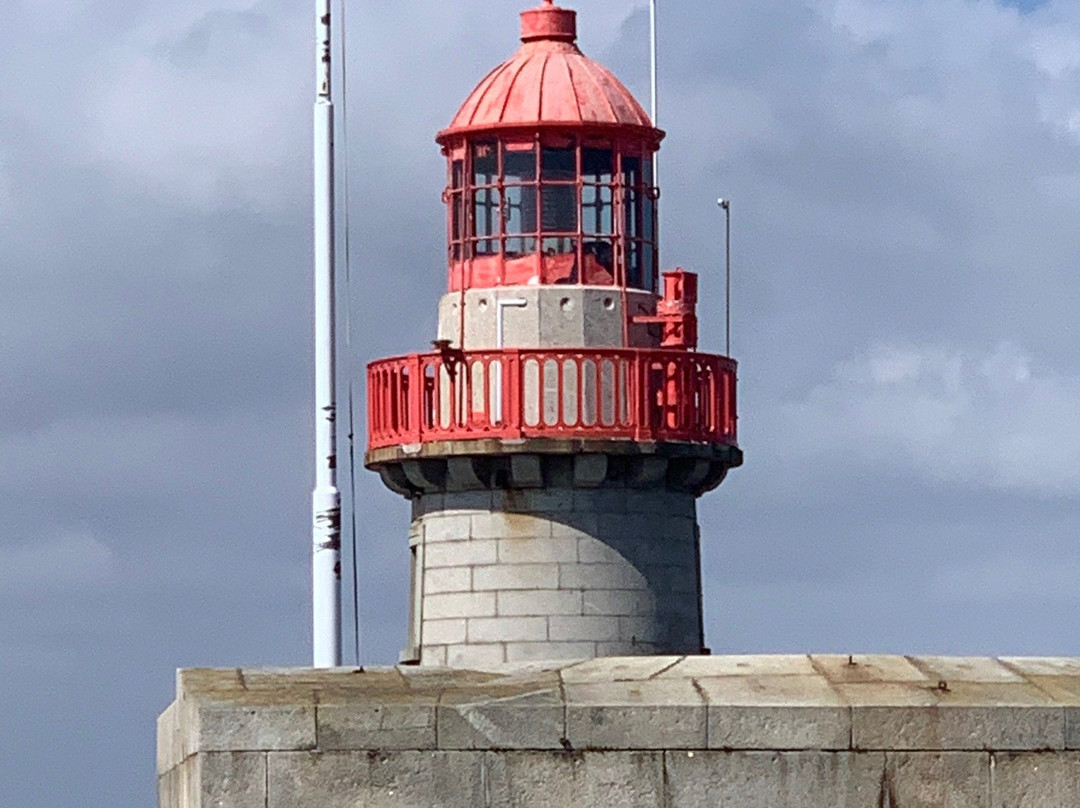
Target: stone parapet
677, 732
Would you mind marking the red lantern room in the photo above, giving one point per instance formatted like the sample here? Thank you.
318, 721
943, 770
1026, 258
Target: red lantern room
553, 246
565, 392
550, 175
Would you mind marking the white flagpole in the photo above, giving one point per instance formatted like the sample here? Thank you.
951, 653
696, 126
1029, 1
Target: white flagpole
326, 499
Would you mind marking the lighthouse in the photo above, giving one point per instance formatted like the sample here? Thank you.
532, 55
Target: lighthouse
553, 439
554, 436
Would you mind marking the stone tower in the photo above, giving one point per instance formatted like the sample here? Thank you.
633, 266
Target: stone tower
554, 442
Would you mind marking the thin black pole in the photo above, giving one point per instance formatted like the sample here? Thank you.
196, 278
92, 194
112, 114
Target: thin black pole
727, 271
726, 205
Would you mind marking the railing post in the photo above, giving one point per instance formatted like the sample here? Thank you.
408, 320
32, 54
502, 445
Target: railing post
414, 422
703, 375
722, 397
395, 397
454, 390
560, 397
372, 400
512, 393
721, 400
641, 394
733, 410
716, 399
726, 391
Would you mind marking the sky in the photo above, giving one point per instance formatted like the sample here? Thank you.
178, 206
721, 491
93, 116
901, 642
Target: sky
905, 177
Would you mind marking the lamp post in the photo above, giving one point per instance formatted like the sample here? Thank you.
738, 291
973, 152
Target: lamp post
725, 205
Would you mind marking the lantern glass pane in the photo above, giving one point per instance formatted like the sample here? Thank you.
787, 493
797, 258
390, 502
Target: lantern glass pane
559, 163
485, 163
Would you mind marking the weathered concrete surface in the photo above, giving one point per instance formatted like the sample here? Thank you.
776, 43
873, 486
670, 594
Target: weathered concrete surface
1033, 780
671, 732
545, 317
557, 573
770, 779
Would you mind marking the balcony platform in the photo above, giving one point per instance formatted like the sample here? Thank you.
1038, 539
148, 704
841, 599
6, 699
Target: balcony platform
646, 415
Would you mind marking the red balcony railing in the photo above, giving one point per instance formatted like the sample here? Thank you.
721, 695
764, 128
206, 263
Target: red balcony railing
630, 394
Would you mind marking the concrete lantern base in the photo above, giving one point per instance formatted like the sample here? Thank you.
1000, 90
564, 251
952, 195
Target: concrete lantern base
554, 574
546, 550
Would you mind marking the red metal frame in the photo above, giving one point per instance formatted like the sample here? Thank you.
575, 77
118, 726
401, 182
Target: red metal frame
630, 394
470, 269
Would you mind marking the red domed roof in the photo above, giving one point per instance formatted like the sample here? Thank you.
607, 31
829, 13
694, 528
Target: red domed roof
549, 82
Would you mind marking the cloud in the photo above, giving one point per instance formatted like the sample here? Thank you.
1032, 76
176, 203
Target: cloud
67, 561
993, 420
204, 105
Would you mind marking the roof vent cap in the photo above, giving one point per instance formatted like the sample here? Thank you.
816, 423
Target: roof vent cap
549, 21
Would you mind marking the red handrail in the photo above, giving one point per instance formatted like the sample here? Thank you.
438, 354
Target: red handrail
630, 394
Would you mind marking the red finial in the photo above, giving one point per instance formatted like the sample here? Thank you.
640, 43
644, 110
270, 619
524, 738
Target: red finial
549, 22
